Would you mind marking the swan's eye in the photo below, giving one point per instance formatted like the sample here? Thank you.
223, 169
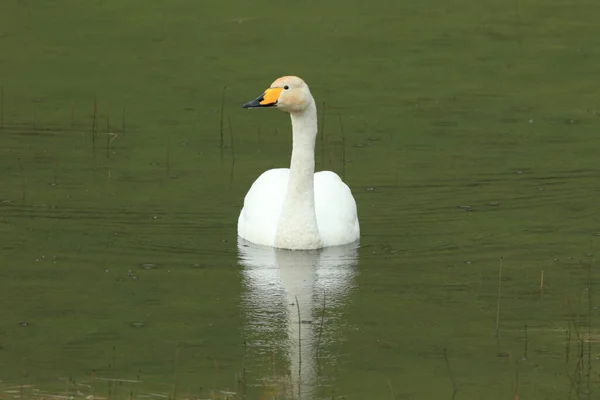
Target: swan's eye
286, 87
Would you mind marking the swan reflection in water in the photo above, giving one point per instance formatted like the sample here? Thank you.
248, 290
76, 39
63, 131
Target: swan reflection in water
282, 285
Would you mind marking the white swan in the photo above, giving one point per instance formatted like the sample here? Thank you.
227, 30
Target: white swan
297, 208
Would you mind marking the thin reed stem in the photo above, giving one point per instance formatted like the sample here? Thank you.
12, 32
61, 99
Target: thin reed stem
242, 382
23, 181
168, 155
450, 373
320, 331
526, 343
107, 136
93, 384
343, 147
567, 345
518, 23
33, 123
124, 119
94, 123
175, 371
232, 152
516, 395
589, 338
392, 395
498, 302
1, 107
299, 350
222, 113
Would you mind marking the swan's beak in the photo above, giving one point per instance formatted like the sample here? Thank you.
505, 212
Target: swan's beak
267, 99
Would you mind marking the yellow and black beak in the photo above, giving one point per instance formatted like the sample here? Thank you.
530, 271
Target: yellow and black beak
267, 99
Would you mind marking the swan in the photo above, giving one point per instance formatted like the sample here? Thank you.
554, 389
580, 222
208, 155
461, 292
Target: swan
296, 208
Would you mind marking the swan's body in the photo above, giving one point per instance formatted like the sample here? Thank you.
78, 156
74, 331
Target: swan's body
295, 208
335, 210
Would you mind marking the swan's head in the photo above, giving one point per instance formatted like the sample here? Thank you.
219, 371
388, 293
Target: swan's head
288, 93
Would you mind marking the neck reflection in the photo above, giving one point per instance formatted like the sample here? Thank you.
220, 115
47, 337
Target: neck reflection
285, 295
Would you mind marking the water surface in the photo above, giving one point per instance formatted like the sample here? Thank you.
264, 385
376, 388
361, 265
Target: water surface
467, 132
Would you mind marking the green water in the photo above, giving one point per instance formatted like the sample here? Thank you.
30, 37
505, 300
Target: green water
470, 134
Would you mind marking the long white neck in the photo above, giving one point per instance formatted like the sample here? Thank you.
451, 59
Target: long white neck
297, 227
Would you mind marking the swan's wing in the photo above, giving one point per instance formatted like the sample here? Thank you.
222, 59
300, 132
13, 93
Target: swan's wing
336, 210
262, 206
